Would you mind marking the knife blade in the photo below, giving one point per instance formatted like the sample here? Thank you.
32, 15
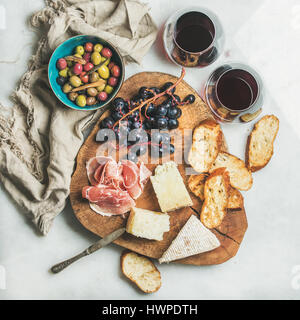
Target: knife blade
91, 249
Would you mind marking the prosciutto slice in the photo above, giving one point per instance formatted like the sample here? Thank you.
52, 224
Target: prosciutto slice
114, 186
108, 200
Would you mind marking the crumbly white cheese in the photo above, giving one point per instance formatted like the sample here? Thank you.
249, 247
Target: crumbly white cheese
192, 239
169, 187
148, 224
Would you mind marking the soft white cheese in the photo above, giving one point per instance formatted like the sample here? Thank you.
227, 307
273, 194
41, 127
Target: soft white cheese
192, 239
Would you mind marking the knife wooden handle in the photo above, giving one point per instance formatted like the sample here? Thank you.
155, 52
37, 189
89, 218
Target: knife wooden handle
62, 265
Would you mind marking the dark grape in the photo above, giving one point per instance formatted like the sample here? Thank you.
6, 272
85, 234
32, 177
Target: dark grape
161, 110
150, 110
134, 115
155, 90
173, 124
175, 100
165, 149
174, 113
179, 113
167, 103
161, 123
167, 85
107, 123
160, 137
189, 99
119, 105
61, 80
117, 115
136, 125
150, 123
144, 93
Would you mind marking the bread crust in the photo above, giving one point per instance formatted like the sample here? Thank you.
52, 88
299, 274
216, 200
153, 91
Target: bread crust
196, 184
212, 220
235, 200
210, 125
124, 256
254, 168
242, 164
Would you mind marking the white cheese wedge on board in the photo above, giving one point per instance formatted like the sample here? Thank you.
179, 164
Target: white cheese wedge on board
169, 187
193, 238
148, 224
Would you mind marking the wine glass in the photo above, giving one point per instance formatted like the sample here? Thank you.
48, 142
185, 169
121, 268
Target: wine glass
234, 93
193, 37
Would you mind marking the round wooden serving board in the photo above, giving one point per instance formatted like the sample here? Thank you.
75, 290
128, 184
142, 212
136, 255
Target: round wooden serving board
232, 229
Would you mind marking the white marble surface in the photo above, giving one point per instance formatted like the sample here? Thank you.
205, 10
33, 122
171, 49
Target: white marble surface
265, 34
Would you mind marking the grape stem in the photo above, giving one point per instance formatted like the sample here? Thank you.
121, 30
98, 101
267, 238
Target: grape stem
152, 99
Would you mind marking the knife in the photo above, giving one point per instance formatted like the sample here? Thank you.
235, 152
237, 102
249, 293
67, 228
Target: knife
91, 249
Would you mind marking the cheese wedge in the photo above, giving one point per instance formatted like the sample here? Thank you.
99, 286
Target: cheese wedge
192, 239
169, 187
148, 224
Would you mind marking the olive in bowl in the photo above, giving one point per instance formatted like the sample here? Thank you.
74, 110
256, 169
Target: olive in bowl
86, 72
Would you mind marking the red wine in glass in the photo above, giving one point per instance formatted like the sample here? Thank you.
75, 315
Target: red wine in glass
232, 91
193, 37
237, 90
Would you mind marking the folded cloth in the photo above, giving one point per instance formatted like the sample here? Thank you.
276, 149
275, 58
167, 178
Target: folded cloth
39, 136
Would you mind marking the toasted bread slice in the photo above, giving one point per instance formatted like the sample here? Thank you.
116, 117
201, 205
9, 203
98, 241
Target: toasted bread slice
216, 194
196, 184
259, 149
235, 200
207, 140
141, 271
240, 175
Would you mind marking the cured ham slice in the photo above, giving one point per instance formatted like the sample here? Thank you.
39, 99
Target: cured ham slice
108, 200
114, 186
94, 168
131, 173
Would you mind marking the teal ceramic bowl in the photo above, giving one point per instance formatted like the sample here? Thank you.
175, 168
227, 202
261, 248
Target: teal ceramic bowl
66, 49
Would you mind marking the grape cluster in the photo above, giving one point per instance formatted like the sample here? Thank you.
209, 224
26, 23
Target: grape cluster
162, 116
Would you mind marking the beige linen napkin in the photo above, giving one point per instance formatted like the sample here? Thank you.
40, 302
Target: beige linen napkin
39, 136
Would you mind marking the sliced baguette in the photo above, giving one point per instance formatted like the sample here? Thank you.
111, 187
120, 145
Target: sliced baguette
259, 149
216, 194
207, 140
141, 271
240, 175
196, 184
235, 200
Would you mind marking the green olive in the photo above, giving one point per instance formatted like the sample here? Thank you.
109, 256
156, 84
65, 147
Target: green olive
75, 81
103, 72
108, 89
67, 88
73, 95
101, 87
98, 47
94, 77
81, 100
90, 101
92, 92
79, 50
96, 58
64, 72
